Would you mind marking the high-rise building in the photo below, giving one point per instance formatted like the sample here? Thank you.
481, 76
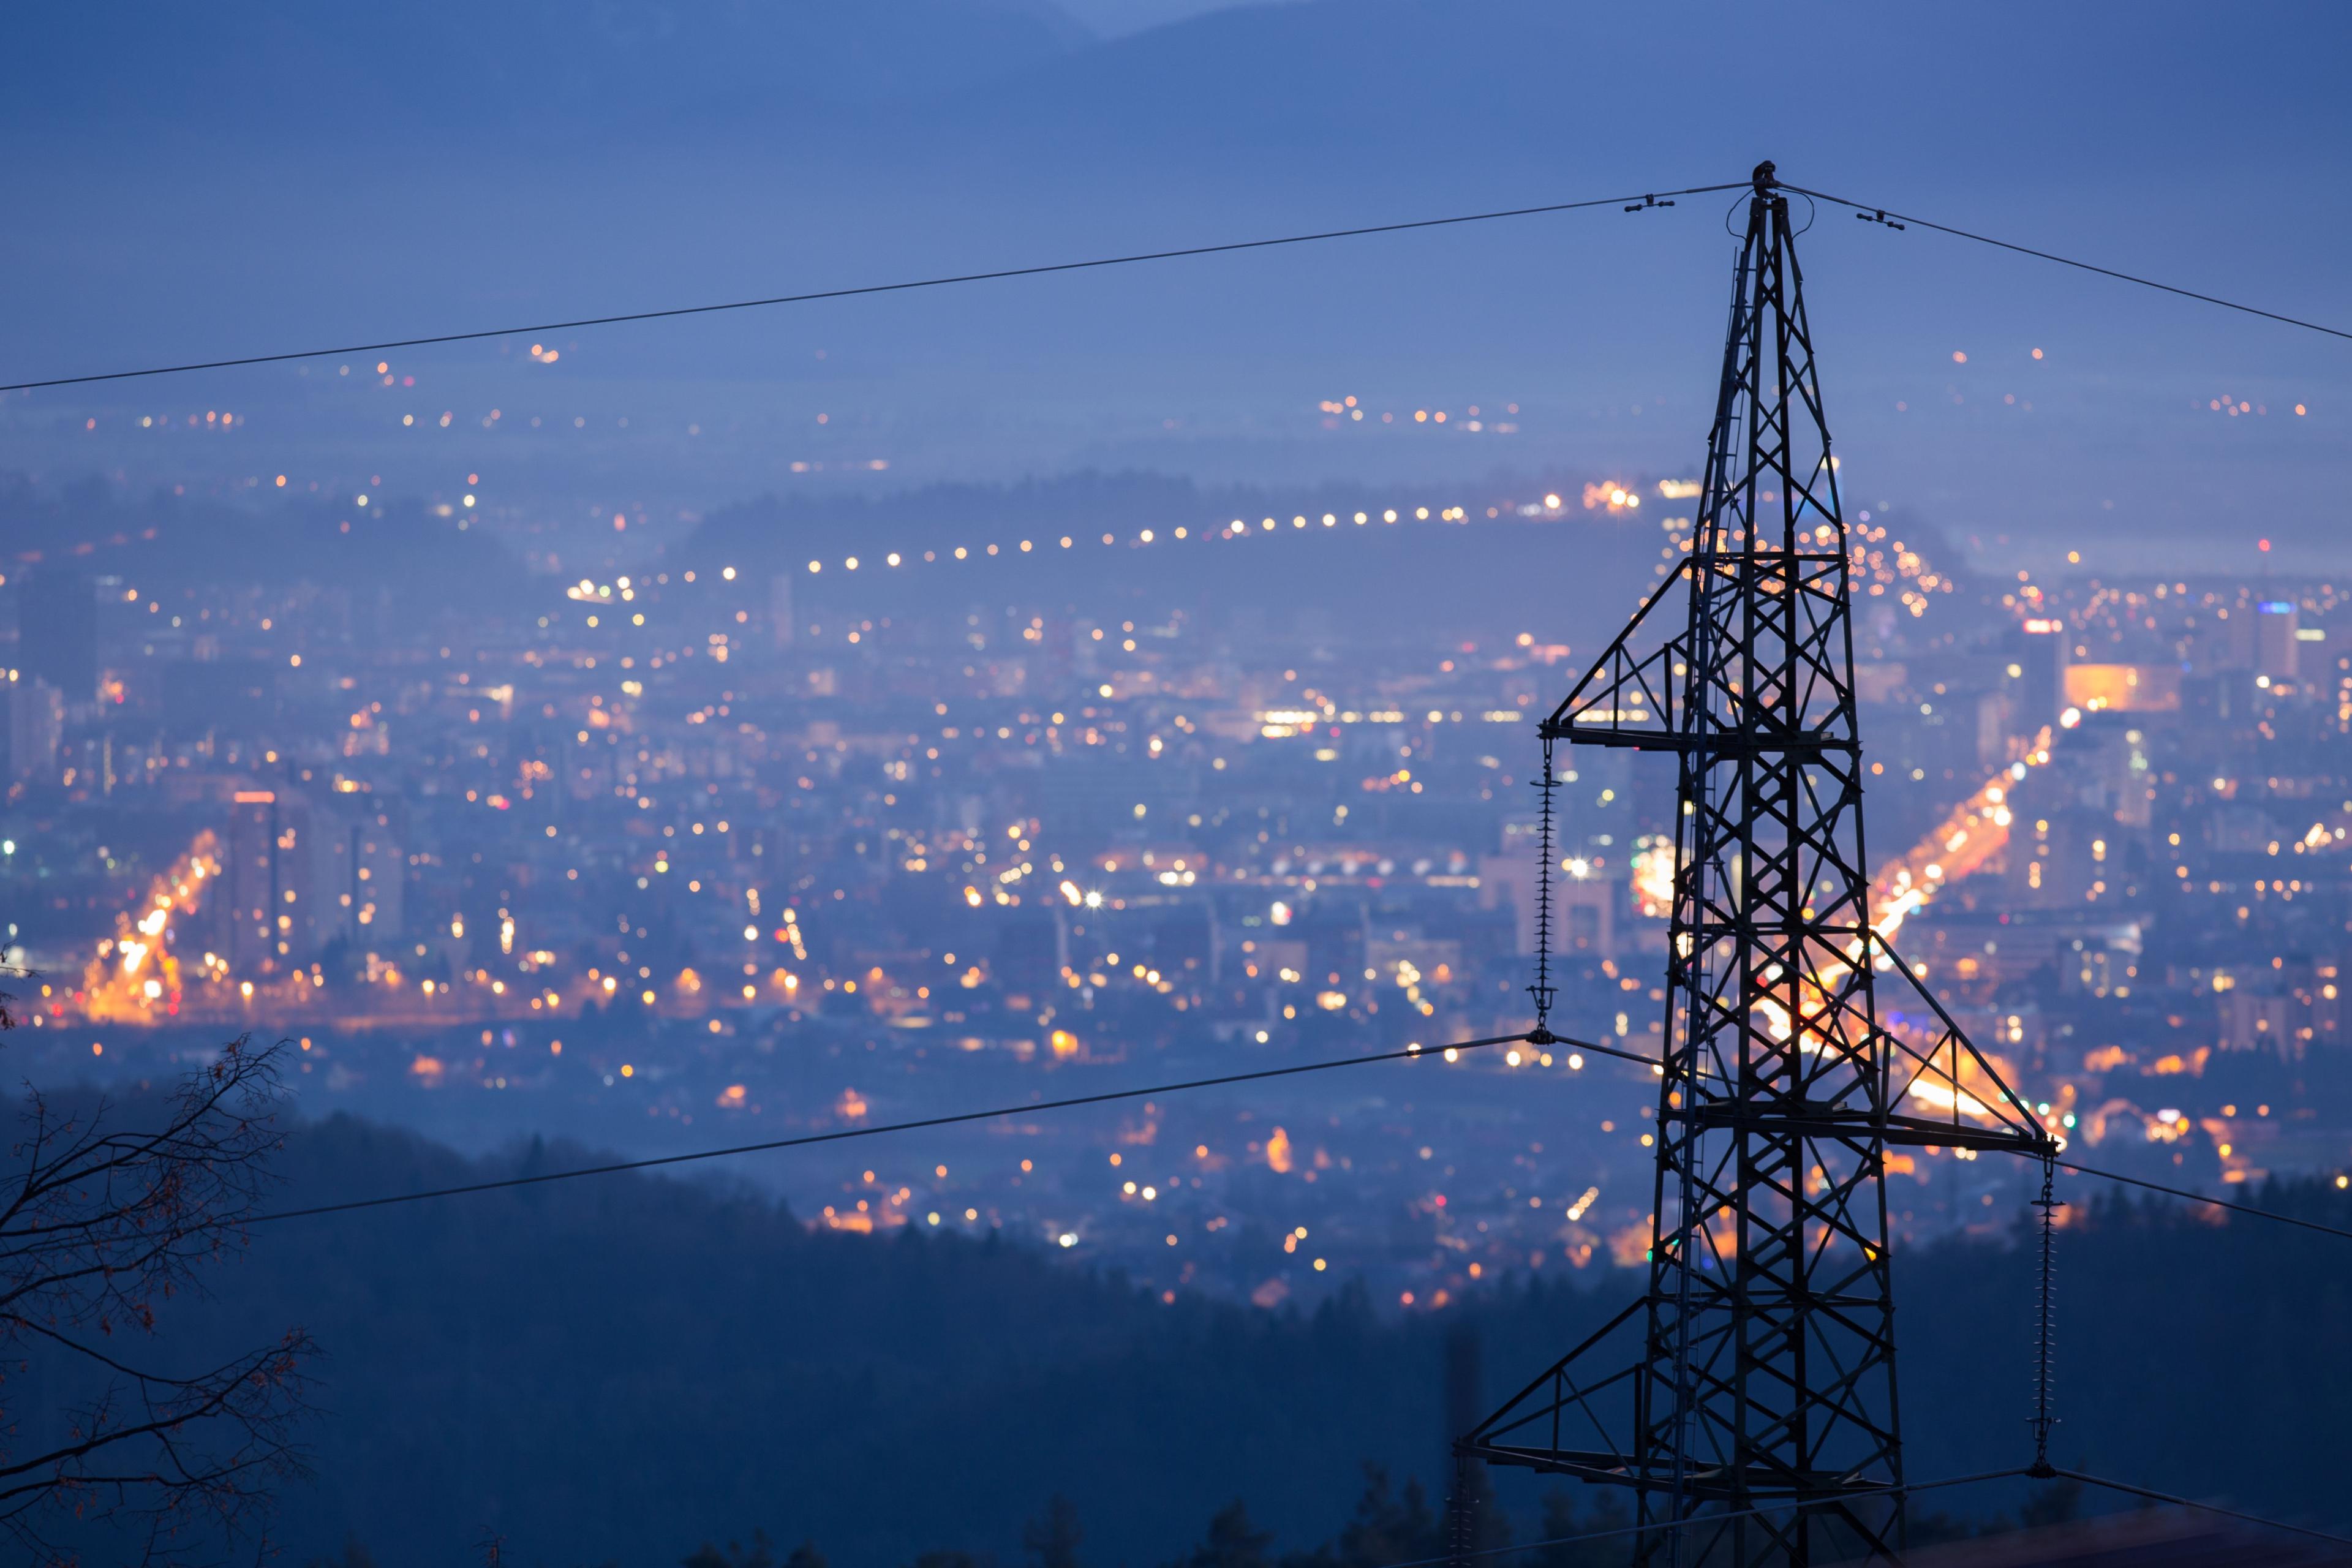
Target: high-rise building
301, 874
36, 723
2277, 649
2037, 673
1335, 932
57, 632
1587, 923
363, 881
2057, 854
1032, 946
354, 874
1584, 899
260, 903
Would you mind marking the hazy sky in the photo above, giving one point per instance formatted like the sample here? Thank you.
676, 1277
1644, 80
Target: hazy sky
187, 182
1117, 19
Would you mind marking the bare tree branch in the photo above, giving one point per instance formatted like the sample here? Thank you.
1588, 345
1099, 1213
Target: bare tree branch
101, 1224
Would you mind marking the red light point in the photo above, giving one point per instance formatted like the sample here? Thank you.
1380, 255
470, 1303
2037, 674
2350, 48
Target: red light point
2264, 546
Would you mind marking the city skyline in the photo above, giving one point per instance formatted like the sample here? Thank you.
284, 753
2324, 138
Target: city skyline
975, 868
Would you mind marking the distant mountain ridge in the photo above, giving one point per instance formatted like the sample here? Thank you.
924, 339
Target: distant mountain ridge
1522, 80
533, 67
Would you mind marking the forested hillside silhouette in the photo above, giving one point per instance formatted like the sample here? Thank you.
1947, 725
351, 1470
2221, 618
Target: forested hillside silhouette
630, 1368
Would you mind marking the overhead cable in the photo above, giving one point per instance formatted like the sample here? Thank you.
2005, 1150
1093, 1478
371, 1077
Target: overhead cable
1667, 1527
2185, 1195
1870, 211
814, 295
842, 1135
1072, 1102
1873, 213
2130, 1491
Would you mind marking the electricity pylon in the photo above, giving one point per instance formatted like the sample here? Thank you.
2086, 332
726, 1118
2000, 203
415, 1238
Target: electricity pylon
1755, 1413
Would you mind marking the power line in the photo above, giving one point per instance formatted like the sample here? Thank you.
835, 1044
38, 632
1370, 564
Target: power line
1642, 203
2130, 1491
1646, 199
1666, 1527
1408, 1053
615, 1167
1877, 213
2181, 1192
2201, 1198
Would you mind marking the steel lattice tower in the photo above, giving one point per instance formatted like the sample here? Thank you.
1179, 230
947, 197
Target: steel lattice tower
1756, 1409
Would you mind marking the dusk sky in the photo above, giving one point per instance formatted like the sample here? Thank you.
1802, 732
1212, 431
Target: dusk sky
238, 179
750, 909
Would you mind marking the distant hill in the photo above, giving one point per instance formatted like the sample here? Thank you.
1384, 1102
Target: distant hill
1522, 83
541, 70
400, 549
1565, 577
616, 1369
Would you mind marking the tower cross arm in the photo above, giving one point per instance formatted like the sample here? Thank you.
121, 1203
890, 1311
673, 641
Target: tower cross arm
1627, 699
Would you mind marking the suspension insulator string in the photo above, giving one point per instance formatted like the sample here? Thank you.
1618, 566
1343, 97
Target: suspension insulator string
1542, 988
2043, 1420
1461, 1529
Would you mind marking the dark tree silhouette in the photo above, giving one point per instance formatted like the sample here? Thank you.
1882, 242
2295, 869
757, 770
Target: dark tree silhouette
1233, 1541
760, 1555
1052, 1540
2053, 1502
355, 1557
1387, 1528
99, 1225
1561, 1524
